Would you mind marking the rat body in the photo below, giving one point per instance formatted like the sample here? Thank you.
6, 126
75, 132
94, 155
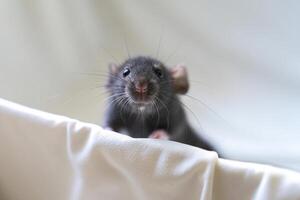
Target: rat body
144, 101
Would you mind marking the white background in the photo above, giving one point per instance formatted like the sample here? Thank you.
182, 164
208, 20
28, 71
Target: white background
243, 61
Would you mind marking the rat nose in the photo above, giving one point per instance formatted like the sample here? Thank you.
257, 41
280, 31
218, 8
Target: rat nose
141, 87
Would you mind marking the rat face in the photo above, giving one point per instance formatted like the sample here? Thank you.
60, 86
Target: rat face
142, 82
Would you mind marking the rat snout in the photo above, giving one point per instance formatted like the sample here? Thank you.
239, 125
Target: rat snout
141, 87
141, 90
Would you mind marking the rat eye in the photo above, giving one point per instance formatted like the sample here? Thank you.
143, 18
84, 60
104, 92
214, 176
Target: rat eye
126, 72
158, 72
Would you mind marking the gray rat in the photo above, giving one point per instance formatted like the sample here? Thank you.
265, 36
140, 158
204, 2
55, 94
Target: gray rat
144, 101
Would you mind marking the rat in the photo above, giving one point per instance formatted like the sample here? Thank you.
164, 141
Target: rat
144, 101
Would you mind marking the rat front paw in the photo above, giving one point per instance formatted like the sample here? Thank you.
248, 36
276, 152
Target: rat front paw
159, 134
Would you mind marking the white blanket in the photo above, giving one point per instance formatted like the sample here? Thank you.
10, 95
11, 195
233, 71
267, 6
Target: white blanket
45, 156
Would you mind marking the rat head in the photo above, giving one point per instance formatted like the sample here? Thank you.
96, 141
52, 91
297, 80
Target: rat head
144, 81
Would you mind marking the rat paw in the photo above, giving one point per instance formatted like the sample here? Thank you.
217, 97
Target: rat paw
159, 134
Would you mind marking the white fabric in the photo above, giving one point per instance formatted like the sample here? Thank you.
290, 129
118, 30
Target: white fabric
45, 156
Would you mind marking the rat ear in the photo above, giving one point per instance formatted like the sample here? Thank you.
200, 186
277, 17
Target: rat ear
180, 79
113, 68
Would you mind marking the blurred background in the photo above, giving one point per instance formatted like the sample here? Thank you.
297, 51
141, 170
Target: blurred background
243, 60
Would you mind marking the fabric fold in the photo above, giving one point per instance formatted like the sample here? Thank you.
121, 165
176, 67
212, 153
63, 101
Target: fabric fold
46, 156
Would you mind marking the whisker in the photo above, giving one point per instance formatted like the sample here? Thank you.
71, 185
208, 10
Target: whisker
208, 107
97, 74
172, 53
110, 103
168, 115
113, 96
126, 45
81, 92
159, 43
196, 117
186, 107
158, 116
109, 54
122, 107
